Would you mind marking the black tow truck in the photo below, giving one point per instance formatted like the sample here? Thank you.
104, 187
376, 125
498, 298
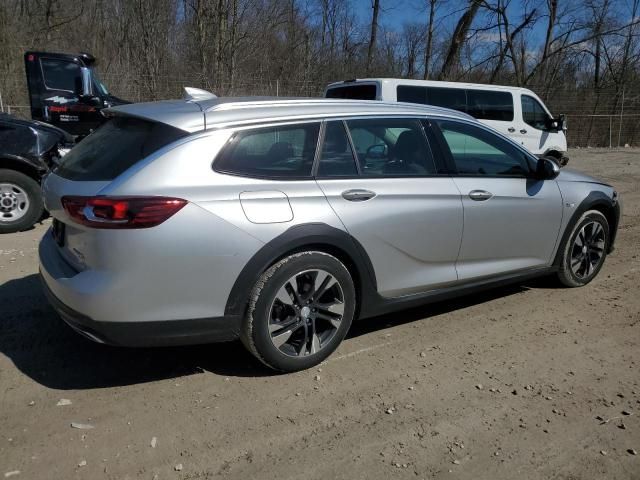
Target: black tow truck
66, 97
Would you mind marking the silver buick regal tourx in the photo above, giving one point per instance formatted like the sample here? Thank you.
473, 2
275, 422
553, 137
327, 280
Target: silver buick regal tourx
281, 221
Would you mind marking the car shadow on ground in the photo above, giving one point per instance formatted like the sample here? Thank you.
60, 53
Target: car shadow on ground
42, 347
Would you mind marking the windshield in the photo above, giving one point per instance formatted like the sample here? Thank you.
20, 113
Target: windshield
102, 90
114, 147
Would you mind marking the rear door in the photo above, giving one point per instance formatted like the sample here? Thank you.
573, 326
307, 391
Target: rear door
382, 180
511, 219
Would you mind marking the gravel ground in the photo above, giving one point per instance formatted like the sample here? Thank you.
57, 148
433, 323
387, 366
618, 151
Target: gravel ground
530, 381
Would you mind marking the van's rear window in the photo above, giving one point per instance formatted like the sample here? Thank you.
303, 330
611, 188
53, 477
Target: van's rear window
355, 92
114, 147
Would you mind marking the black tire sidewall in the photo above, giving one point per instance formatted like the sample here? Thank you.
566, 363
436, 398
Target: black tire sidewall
260, 336
566, 274
36, 204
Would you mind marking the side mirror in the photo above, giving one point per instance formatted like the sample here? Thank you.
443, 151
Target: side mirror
557, 124
562, 121
547, 169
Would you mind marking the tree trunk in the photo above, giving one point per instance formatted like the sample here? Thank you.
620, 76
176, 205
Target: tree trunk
429, 45
458, 39
374, 34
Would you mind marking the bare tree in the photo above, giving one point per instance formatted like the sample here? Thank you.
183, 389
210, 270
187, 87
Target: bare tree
428, 49
374, 33
458, 39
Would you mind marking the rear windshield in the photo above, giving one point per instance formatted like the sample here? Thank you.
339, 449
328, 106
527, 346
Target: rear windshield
114, 147
354, 92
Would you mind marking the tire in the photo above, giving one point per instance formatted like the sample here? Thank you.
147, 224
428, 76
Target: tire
21, 204
589, 239
280, 323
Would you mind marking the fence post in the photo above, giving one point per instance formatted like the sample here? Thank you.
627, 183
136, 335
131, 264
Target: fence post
1, 104
610, 119
621, 113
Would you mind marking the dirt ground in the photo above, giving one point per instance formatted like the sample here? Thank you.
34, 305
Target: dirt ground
527, 382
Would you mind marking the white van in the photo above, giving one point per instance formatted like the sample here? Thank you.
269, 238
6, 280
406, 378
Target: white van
516, 112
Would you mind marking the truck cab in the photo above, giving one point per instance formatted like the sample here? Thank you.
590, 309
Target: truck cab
65, 91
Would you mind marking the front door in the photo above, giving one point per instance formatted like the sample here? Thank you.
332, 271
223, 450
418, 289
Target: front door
532, 130
393, 201
511, 220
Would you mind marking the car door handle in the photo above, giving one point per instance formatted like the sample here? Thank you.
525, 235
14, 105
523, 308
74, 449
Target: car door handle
523, 131
480, 195
358, 195
511, 129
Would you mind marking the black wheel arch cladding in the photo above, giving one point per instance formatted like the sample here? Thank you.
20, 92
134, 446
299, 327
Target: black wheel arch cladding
309, 236
594, 201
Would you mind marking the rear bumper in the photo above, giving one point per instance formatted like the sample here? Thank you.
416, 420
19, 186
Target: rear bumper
147, 334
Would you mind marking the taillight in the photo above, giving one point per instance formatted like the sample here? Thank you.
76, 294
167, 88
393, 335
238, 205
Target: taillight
121, 212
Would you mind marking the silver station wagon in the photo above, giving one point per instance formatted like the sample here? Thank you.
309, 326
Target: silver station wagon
280, 221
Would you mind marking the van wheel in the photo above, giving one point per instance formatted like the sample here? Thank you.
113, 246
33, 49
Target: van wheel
21, 204
585, 250
300, 310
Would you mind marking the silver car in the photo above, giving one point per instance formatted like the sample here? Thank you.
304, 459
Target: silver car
281, 221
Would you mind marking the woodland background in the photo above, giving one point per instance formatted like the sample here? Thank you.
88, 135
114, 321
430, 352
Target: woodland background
581, 56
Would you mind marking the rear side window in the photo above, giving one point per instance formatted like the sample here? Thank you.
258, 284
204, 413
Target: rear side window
481, 104
490, 105
454, 98
391, 146
61, 75
272, 152
114, 147
336, 159
355, 92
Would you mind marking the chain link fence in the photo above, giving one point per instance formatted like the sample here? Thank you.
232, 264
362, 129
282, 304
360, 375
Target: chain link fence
607, 118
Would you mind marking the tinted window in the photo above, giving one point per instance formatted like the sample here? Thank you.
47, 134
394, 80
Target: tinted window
356, 92
114, 147
488, 105
406, 93
61, 75
387, 146
336, 159
476, 151
455, 98
283, 151
533, 114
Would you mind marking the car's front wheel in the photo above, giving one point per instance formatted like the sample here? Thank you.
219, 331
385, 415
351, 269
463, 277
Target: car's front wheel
585, 249
21, 204
300, 310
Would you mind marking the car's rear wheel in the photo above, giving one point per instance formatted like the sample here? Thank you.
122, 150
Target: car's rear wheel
21, 204
300, 310
585, 250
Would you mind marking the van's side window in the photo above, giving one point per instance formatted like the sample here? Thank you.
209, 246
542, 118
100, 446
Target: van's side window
336, 158
391, 146
455, 98
490, 105
533, 114
481, 104
272, 152
478, 152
